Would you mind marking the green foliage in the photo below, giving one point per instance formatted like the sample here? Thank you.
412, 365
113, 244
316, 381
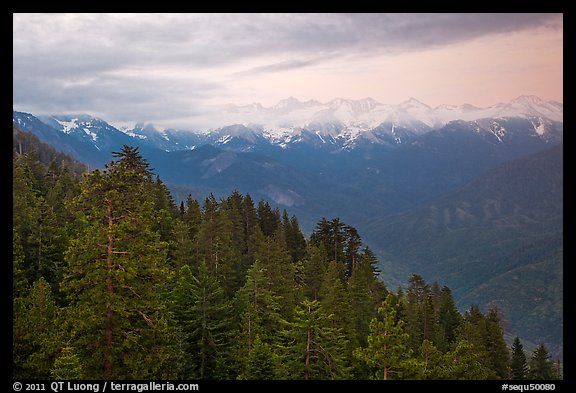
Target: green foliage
204, 316
387, 352
35, 332
541, 367
67, 365
111, 280
116, 273
518, 362
314, 347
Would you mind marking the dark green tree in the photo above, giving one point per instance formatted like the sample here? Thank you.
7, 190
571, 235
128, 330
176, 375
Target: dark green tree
35, 332
295, 241
495, 344
314, 266
541, 367
362, 299
313, 347
204, 316
449, 317
192, 216
272, 253
518, 363
117, 318
353, 242
262, 362
268, 218
258, 306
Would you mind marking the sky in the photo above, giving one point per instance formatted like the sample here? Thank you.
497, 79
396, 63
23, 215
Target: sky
178, 70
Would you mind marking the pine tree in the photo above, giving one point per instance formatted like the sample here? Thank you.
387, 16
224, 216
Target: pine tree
518, 362
432, 361
182, 250
274, 257
362, 300
333, 235
268, 218
449, 317
336, 300
204, 316
262, 362
421, 319
117, 316
541, 367
314, 348
387, 352
495, 344
192, 216
464, 362
314, 266
35, 332
295, 241
19, 282
352, 249
258, 306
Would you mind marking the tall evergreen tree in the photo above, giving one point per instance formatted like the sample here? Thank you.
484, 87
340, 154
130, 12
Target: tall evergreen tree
117, 317
314, 348
387, 352
495, 344
352, 249
204, 316
272, 253
464, 362
192, 216
268, 218
518, 362
362, 300
449, 317
295, 241
35, 332
541, 367
314, 266
258, 306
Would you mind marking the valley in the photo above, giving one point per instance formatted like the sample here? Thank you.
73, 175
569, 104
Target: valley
471, 197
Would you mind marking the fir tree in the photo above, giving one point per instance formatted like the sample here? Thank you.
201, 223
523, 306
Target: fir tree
35, 332
204, 316
387, 352
464, 362
541, 367
117, 318
258, 306
518, 362
314, 266
495, 344
314, 348
449, 317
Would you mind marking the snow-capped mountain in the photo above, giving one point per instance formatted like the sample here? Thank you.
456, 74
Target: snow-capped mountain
367, 113
91, 130
348, 123
339, 124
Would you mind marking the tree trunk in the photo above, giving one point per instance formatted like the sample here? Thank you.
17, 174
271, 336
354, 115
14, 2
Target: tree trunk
109, 293
306, 372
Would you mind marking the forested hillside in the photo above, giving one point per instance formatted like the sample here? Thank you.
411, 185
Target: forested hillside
113, 280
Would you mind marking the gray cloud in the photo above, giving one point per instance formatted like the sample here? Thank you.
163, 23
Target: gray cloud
65, 62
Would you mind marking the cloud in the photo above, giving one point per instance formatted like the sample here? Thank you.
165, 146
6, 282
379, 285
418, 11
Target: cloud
166, 66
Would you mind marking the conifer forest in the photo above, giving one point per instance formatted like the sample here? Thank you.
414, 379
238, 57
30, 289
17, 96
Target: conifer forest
113, 280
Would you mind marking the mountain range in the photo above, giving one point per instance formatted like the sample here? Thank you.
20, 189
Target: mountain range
428, 188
